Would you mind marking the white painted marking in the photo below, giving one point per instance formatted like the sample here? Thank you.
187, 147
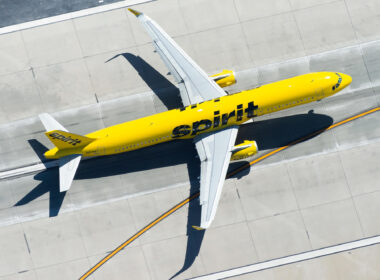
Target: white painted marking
68, 16
291, 259
22, 171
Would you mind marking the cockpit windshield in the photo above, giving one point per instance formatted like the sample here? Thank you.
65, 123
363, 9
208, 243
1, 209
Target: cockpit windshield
338, 83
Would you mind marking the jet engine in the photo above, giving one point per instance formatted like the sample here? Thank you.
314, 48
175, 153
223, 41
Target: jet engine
244, 150
224, 78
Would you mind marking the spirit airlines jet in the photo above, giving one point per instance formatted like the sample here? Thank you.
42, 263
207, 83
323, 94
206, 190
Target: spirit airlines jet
210, 117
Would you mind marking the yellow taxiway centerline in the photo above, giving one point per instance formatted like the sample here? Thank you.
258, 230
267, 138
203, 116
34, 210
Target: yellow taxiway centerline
195, 195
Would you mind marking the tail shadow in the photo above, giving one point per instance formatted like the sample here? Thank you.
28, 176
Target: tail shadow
38, 148
49, 184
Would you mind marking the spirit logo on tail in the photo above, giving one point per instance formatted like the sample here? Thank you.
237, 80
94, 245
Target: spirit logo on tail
63, 138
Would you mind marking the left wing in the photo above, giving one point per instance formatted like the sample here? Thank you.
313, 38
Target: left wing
194, 84
214, 151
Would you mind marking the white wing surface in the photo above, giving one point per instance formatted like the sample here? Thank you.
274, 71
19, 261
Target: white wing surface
214, 151
194, 84
50, 123
68, 166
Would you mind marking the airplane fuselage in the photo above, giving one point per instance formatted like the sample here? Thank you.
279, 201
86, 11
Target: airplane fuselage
216, 114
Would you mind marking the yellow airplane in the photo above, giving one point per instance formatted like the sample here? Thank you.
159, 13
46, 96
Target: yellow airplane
210, 116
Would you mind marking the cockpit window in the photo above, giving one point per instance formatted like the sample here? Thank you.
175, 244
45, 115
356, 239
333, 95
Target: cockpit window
338, 83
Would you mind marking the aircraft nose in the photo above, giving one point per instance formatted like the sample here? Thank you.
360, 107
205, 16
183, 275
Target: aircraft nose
346, 80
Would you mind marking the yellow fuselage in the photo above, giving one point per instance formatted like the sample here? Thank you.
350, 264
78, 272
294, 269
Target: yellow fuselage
219, 113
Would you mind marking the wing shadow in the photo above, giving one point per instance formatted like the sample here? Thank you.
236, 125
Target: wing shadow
162, 87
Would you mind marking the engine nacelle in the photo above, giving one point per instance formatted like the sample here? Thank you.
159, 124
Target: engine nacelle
244, 150
224, 78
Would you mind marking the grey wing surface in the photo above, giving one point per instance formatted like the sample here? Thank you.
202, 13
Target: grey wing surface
214, 151
194, 84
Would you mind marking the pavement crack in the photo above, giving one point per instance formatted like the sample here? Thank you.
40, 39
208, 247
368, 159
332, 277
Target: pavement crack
27, 244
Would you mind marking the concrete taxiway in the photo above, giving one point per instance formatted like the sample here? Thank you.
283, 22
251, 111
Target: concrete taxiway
100, 70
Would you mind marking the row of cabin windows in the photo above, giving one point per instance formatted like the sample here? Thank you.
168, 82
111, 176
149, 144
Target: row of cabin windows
283, 106
268, 109
128, 147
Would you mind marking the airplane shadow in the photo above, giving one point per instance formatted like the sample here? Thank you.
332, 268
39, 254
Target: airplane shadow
162, 87
277, 132
48, 183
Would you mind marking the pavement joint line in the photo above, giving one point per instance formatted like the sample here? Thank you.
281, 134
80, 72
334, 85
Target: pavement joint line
139, 233
72, 15
277, 262
365, 242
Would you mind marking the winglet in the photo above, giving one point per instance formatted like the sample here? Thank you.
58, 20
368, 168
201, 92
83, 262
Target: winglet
197, 228
136, 13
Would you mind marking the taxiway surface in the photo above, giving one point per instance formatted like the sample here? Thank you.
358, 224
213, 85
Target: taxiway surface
101, 70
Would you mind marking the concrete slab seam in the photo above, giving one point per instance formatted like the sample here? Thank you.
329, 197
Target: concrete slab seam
242, 31
350, 192
298, 205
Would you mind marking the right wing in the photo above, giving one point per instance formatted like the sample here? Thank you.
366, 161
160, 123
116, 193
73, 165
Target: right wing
194, 84
214, 151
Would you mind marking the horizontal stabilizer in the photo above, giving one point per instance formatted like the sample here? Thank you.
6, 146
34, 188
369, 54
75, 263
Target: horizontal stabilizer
68, 165
50, 123
66, 140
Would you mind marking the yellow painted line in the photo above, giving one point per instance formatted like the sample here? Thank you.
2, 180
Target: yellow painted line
138, 234
300, 140
187, 200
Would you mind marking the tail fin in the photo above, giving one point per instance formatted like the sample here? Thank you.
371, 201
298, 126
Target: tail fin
66, 140
63, 139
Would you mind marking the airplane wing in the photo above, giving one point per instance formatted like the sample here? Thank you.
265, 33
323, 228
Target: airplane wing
194, 84
214, 151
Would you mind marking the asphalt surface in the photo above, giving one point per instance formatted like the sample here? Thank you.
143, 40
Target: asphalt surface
17, 11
